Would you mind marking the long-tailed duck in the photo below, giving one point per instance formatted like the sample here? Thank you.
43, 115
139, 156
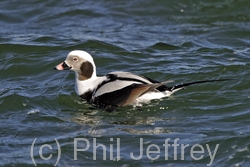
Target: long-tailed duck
116, 88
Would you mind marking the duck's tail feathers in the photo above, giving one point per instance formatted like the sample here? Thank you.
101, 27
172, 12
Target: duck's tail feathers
183, 85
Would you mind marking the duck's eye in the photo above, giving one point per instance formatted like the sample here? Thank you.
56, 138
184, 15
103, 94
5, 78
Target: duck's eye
75, 59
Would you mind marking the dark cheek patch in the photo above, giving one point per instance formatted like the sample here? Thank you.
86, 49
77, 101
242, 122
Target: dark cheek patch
86, 71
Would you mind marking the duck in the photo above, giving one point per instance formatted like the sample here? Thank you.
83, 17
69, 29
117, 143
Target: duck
118, 88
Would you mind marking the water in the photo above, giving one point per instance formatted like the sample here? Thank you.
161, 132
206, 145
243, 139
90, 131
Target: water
179, 40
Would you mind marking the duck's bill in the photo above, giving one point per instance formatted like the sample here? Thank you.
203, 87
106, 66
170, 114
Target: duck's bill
62, 66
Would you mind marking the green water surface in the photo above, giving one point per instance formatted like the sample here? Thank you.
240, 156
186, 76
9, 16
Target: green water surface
179, 40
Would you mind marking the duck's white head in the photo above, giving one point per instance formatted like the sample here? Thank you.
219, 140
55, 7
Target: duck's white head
81, 63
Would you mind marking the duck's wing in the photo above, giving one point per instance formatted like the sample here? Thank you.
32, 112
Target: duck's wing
122, 88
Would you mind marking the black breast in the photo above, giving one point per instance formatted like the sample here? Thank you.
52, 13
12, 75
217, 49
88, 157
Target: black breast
87, 96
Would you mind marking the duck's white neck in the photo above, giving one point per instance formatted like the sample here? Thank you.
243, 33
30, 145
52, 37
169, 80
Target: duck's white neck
84, 86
